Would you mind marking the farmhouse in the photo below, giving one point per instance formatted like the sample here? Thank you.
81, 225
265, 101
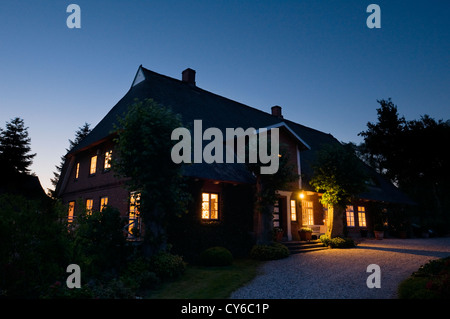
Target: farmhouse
222, 210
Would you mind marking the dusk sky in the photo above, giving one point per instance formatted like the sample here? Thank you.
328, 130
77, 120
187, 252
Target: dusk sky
316, 59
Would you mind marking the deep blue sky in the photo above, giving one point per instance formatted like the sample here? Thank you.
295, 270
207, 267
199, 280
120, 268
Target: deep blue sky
317, 59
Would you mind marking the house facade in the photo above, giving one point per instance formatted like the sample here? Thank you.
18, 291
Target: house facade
223, 193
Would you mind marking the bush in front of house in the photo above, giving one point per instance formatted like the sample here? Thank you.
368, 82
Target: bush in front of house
167, 265
269, 252
325, 240
430, 281
216, 256
337, 242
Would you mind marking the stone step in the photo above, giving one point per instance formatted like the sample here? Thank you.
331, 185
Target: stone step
296, 247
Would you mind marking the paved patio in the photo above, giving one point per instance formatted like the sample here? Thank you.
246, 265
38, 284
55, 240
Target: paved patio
342, 273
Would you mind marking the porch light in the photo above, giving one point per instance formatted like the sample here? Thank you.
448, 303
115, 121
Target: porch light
301, 195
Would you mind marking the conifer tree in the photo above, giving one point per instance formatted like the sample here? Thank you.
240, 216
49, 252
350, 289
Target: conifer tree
80, 134
15, 156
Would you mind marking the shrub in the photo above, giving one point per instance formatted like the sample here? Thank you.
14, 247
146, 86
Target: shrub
139, 275
269, 252
167, 265
325, 240
59, 290
113, 289
337, 242
99, 242
430, 281
216, 256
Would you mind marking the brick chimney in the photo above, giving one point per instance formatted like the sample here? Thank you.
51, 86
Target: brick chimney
276, 111
188, 76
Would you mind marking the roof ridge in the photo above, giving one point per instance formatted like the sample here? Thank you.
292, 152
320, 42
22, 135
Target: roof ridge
234, 101
208, 92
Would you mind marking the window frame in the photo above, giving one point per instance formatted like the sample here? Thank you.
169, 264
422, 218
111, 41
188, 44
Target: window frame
77, 170
362, 213
71, 211
350, 216
134, 215
294, 212
93, 165
307, 212
107, 160
89, 207
210, 210
103, 202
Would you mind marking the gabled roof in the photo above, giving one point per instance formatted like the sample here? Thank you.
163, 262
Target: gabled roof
192, 102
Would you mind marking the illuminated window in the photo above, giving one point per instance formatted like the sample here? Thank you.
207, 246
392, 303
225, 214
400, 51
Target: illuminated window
293, 210
307, 213
89, 204
108, 157
210, 206
77, 171
134, 220
362, 216
93, 168
71, 211
350, 216
103, 202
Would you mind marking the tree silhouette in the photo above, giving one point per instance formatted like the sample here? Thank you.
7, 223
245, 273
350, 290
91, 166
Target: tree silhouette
80, 134
414, 156
15, 156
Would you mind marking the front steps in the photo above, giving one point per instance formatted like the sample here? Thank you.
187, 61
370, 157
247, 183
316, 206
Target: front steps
296, 247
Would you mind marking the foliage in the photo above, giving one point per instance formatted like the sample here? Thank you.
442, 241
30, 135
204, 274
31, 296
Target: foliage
216, 256
269, 252
338, 174
35, 248
59, 290
140, 275
391, 147
325, 239
337, 242
306, 230
99, 241
144, 146
430, 281
15, 148
167, 265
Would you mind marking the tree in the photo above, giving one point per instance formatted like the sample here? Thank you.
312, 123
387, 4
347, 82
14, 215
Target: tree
340, 176
383, 141
144, 156
413, 156
80, 134
15, 148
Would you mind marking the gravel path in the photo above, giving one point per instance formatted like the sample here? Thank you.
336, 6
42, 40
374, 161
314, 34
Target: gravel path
342, 273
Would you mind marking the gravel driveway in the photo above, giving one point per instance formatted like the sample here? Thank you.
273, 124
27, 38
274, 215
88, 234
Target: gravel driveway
342, 273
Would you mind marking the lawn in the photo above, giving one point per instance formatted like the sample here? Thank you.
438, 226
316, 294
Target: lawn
200, 282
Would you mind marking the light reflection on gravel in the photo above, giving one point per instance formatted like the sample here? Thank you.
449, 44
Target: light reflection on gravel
341, 273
